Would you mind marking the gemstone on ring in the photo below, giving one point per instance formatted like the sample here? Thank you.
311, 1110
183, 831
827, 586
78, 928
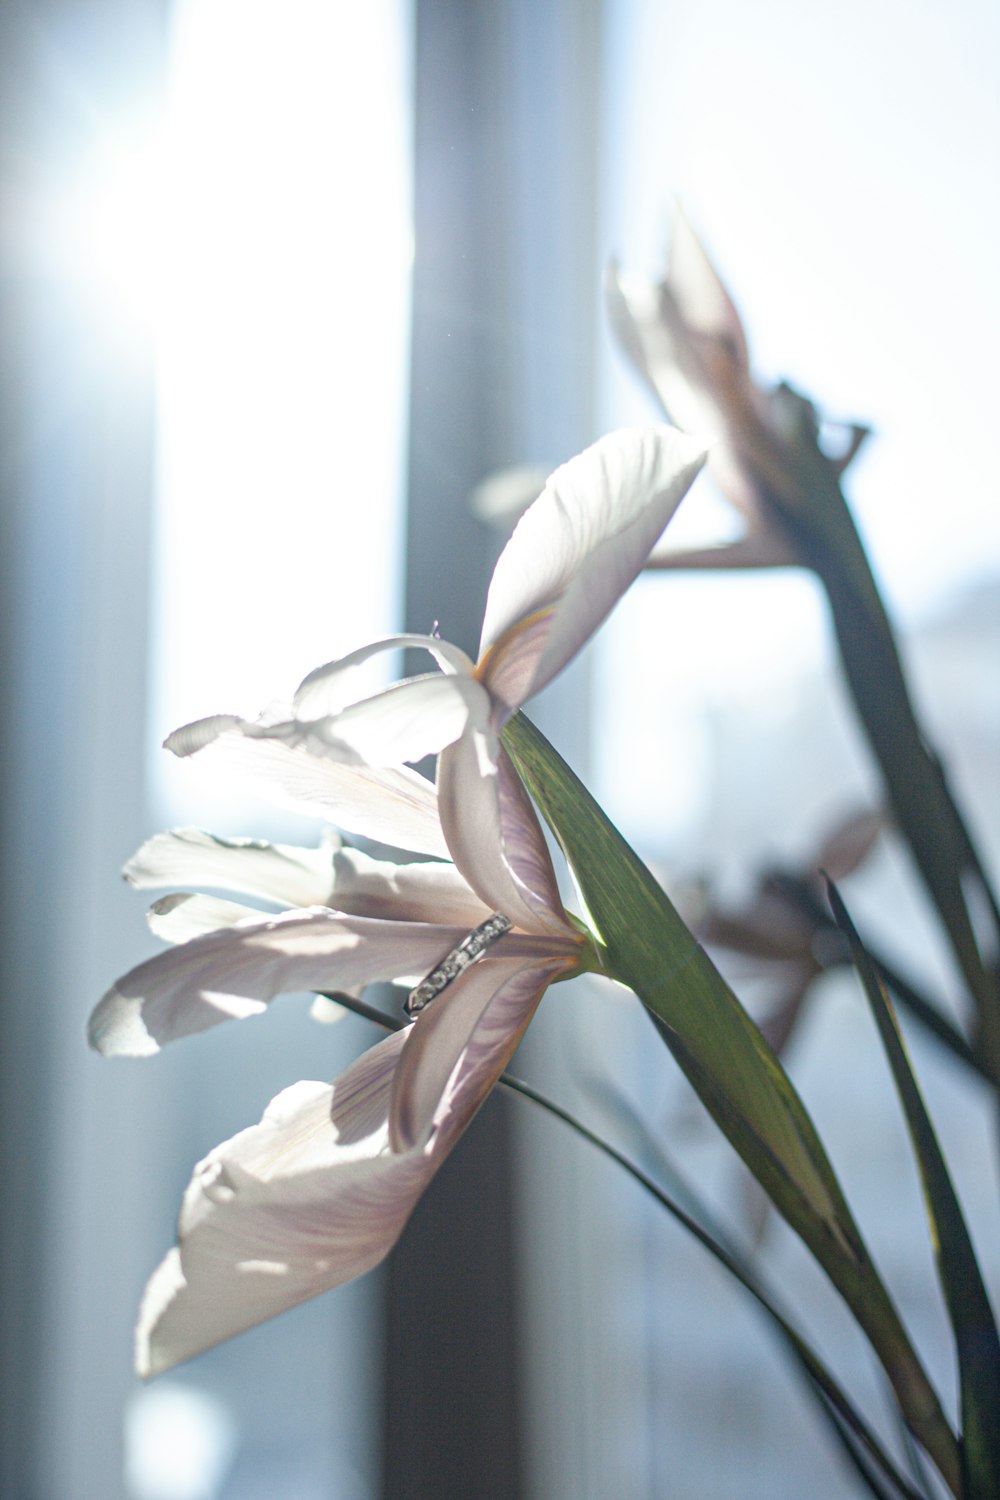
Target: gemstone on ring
465, 953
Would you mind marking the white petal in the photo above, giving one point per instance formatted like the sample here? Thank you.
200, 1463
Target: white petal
191, 738
494, 835
232, 974
302, 1202
393, 805
575, 552
284, 873
407, 721
313, 1196
417, 892
181, 917
331, 688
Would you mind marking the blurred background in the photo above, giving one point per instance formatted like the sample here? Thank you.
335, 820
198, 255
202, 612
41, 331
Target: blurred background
282, 284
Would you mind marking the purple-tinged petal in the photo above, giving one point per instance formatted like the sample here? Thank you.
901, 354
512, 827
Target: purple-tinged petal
847, 846
575, 552
394, 805
443, 1033
491, 1046
232, 974
485, 821
179, 918
523, 843
284, 873
331, 688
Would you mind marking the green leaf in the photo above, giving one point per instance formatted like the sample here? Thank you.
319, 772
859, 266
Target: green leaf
972, 1320
918, 794
860, 1443
646, 946
862, 1446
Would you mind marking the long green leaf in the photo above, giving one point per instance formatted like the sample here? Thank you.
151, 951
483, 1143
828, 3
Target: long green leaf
728, 1061
862, 1446
647, 946
816, 519
972, 1320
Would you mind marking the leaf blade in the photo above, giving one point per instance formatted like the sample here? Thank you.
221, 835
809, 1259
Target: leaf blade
977, 1341
739, 1079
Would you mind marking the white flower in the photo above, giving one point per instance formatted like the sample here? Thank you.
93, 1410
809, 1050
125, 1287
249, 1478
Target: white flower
320, 1189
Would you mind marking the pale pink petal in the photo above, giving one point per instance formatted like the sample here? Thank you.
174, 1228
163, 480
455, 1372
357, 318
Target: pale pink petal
847, 846
284, 873
523, 844
444, 1031
181, 917
486, 822
407, 721
302, 1202
695, 378
393, 805
232, 974
758, 549
491, 1046
331, 688
575, 552
417, 892
706, 305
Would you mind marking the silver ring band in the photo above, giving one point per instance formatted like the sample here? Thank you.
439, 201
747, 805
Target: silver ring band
460, 957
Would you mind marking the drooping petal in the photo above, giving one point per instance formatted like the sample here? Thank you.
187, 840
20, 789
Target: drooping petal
305, 1200
285, 873
486, 823
407, 721
331, 688
575, 552
234, 973
180, 917
314, 1196
444, 1032
393, 805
